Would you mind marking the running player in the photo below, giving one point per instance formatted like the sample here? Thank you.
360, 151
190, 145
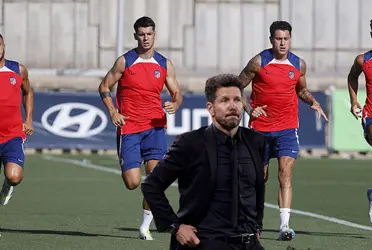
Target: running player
278, 77
14, 81
141, 74
362, 63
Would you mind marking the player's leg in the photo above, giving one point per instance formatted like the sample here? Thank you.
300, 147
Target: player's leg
287, 150
269, 153
147, 216
13, 158
366, 123
129, 152
149, 166
285, 188
153, 147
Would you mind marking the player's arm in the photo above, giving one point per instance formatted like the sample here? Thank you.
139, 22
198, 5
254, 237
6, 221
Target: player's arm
173, 87
301, 88
305, 95
353, 83
246, 76
110, 79
28, 100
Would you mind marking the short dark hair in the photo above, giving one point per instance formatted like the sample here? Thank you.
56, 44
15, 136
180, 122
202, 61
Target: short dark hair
280, 25
220, 81
144, 21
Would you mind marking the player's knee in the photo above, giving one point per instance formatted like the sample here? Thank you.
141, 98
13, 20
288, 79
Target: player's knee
130, 183
285, 177
14, 178
285, 173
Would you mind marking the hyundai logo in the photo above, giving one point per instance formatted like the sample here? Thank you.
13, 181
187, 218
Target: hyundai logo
60, 120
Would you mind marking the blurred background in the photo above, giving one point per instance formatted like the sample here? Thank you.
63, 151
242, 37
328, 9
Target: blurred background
69, 45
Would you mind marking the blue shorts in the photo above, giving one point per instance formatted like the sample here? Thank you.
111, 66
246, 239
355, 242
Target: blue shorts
366, 122
281, 143
12, 151
147, 145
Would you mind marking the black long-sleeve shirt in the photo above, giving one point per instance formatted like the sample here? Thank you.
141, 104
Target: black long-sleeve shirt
218, 219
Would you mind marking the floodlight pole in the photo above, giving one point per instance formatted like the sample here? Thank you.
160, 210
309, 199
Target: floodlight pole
120, 28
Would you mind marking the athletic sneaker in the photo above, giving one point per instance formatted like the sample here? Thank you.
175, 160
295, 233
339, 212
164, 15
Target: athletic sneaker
286, 233
6, 193
145, 234
369, 196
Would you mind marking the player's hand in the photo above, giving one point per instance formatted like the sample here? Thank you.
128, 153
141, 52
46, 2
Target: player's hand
319, 110
186, 236
258, 236
118, 119
356, 110
258, 111
28, 128
171, 107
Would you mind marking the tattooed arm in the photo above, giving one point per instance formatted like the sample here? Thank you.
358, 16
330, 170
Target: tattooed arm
305, 95
246, 76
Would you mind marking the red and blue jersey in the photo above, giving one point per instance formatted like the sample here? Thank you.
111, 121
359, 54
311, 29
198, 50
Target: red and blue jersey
367, 70
138, 92
275, 86
11, 124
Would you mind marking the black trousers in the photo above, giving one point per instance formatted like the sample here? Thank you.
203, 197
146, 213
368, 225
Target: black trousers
209, 244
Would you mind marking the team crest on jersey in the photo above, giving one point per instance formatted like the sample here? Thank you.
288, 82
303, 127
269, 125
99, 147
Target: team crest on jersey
157, 73
291, 74
12, 80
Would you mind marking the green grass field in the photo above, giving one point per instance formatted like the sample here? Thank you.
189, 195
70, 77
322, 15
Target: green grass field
62, 205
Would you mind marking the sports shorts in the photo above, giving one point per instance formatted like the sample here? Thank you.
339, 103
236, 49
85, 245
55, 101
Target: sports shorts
143, 146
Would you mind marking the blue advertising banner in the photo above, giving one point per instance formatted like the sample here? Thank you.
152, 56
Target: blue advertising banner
312, 132
193, 114
80, 121
71, 120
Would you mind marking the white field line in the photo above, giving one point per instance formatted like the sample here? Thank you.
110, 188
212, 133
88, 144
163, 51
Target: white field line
87, 164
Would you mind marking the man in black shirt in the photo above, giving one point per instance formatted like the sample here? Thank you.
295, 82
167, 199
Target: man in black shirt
220, 177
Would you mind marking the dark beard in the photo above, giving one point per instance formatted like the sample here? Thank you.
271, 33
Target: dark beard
228, 125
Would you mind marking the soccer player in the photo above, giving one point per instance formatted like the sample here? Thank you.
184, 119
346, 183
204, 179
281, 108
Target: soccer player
362, 63
141, 74
13, 131
278, 77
